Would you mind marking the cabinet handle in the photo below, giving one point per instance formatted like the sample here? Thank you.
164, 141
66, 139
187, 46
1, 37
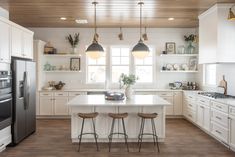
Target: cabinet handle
1, 145
190, 115
202, 100
218, 117
45, 94
218, 132
202, 107
190, 97
190, 105
60, 94
219, 106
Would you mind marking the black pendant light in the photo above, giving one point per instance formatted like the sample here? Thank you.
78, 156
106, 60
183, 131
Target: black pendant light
95, 50
140, 50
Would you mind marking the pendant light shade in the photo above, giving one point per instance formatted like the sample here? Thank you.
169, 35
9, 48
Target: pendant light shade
231, 15
140, 50
95, 50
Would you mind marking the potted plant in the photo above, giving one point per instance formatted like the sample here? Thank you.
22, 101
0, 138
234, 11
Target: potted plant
190, 39
127, 81
73, 41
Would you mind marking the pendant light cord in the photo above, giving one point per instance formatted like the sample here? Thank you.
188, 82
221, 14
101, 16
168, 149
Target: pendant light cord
95, 40
141, 3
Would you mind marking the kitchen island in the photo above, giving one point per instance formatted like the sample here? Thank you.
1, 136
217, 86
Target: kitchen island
97, 103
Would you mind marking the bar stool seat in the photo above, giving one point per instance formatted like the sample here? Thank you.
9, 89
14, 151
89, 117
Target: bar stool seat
88, 115
148, 115
118, 115
85, 116
151, 117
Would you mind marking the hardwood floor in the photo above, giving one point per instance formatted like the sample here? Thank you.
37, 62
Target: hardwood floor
52, 139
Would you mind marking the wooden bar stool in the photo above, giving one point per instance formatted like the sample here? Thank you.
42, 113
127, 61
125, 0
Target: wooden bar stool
118, 116
149, 116
88, 116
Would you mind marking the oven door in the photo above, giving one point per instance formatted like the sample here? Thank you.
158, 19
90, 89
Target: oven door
5, 111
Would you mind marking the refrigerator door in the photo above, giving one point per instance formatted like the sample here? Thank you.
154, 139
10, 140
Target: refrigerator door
19, 114
30, 97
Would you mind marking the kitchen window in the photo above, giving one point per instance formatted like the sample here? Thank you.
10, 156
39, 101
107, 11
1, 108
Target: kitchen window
120, 59
209, 73
96, 69
144, 68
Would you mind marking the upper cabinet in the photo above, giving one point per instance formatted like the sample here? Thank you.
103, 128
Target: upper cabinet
14, 41
5, 55
216, 36
22, 43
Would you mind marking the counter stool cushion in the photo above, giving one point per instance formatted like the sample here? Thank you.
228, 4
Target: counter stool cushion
88, 115
147, 115
118, 115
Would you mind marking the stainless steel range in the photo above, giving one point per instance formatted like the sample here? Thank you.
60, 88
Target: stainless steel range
215, 95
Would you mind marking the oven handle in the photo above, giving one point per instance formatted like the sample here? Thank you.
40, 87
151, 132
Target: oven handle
5, 100
6, 78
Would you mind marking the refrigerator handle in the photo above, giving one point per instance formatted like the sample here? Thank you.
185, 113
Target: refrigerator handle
26, 90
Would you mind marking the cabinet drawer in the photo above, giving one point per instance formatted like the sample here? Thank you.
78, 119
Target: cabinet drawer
232, 111
191, 115
46, 94
203, 101
165, 94
61, 94
219, 117
220, 107
219, 132
191, 106
4, 142
73, 94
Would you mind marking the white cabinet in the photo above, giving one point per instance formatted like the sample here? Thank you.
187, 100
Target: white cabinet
60, 106
5, 55
216, 35
46, 106
178, 103
21, 43
5, 137
203, 116
232, 128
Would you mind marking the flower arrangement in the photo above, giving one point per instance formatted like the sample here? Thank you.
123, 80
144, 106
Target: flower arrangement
73, 40
190, 38
127, 81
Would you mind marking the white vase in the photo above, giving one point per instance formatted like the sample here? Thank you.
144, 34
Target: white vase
128, 92
73, 50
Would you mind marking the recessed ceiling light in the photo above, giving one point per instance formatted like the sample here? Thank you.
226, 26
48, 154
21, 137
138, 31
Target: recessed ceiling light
63, 18
81, 21
171, 18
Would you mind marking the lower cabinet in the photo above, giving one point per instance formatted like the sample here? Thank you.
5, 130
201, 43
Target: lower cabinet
5, 137
232, 127
203, 116
46, 106
60, 106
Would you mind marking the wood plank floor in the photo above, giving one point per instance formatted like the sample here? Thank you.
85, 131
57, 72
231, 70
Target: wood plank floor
52, 139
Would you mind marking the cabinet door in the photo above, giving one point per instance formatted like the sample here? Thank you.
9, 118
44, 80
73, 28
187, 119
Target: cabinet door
5, 43
46, 106
206, 119
178, 104
232, 132
27, 45
169, 109
200, 115
60, 106
16, 42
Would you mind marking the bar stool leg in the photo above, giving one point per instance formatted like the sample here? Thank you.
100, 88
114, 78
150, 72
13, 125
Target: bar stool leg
153, 130
141, 125
80, 139
95, 135
141, 135
125, 135
111, 134
156, 137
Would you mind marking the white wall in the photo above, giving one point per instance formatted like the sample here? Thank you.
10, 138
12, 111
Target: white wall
108, 36
4, 13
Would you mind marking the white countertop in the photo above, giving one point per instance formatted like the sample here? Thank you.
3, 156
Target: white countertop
136, 100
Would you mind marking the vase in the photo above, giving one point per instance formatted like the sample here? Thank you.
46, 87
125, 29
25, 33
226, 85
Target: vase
128, 92
190, 48
73, 50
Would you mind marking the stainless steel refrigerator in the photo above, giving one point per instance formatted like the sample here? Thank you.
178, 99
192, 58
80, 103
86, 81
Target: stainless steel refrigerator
24, 99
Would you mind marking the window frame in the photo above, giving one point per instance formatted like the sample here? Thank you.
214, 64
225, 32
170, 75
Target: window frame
205, 83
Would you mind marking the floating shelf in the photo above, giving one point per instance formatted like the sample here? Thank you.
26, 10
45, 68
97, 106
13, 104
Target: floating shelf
62, 71
62, 55
178, 55
178, 71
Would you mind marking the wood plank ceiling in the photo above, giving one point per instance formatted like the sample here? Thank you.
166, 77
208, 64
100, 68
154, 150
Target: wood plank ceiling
110, 13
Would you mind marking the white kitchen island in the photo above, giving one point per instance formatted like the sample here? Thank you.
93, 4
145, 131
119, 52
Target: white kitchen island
97, 103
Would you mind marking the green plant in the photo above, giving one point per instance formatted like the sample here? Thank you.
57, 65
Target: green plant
191, 37
126, 80
73, 40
